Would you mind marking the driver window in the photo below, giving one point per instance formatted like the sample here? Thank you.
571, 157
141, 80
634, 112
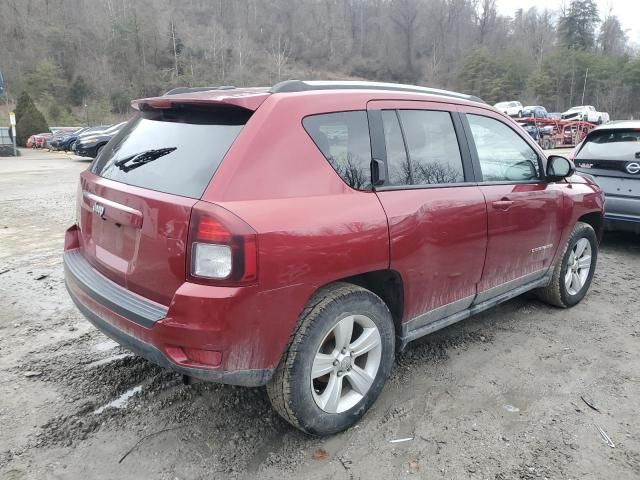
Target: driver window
503, 155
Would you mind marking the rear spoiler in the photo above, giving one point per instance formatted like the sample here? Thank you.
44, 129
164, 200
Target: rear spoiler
249, 99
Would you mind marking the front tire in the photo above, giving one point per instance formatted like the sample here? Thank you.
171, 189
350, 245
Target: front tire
573, 274
337, 362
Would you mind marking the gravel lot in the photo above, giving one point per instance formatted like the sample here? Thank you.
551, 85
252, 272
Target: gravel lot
499, 396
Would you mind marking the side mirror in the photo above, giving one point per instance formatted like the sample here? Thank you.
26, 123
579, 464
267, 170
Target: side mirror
559, 168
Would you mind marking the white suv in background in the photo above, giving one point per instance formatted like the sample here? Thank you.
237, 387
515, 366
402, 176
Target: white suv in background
513, 109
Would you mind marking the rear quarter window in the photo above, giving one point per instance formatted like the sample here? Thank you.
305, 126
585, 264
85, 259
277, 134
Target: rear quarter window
343, 139
175, 150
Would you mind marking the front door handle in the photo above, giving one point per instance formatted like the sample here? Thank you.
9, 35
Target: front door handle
502, 204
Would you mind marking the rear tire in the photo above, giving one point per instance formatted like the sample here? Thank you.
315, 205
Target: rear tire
573, 274
332, 373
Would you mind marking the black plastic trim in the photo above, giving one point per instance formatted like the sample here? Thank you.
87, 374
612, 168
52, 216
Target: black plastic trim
111, 295
409, 334
378, 147
427, 186
247, 378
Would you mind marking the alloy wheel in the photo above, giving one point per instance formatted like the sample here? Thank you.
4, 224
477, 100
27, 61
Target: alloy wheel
578, 266
346, 364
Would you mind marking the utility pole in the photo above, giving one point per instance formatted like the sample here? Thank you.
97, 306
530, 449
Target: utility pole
584, 87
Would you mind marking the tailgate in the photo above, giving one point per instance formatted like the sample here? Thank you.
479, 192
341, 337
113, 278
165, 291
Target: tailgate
133, 236
134, 203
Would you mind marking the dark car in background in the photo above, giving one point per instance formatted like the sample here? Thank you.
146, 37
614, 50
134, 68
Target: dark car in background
68, 142
91, 143
535, 111
610, 154
63, 139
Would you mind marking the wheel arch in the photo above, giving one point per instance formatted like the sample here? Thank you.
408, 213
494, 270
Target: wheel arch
387, 284
596, 221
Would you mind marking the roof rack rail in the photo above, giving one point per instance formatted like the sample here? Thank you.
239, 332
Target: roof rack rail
289, 86
178, 90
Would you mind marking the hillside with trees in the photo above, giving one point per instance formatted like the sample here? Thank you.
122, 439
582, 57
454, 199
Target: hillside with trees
83, 61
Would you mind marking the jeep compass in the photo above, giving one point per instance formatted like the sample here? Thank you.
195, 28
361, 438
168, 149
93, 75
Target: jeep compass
299, 236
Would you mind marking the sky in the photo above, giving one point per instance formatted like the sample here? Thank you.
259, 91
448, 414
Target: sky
628, 11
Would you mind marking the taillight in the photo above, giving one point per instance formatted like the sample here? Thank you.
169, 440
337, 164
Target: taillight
222, 248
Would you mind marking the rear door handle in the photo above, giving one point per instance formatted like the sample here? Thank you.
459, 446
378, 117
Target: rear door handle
502, 204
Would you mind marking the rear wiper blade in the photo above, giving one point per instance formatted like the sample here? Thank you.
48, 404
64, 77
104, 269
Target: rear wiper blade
134, 161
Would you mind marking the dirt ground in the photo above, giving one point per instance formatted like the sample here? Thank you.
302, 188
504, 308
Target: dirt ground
498, 396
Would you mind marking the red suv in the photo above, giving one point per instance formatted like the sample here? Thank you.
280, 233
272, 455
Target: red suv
297, 237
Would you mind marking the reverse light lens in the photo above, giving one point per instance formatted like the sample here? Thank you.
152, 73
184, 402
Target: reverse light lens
212, 261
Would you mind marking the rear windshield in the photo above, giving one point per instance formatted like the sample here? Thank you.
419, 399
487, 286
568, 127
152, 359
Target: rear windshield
174, 150
611, 145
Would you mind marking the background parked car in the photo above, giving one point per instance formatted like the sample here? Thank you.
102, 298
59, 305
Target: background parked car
610, 154
587, 113
67, 140
512, 108
89, 144
58, 136
41, 138
535, 111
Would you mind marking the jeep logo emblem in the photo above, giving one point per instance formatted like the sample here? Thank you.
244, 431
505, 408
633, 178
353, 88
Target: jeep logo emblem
98, 209
633, 168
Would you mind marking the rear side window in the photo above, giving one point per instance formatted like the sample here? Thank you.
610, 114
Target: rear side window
343, 138
432, 153
175, 150
611, 145
504, 156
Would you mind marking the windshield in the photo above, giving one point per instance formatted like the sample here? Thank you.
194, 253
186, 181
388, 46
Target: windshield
175, 150
621, 144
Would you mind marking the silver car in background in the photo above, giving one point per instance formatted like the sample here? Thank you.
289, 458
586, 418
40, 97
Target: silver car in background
611, 155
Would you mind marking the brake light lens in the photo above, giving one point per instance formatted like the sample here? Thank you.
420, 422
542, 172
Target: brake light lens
223, 248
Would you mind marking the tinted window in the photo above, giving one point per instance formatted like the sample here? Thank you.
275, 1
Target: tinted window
343, 138
397, 161
611, 145
174, 151
503, 154
432, 147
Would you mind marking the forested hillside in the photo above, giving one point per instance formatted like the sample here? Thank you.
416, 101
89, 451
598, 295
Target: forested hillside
101, 53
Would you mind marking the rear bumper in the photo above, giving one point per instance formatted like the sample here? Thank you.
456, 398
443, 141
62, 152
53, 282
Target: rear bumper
622, 208
622, 213
146, 328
